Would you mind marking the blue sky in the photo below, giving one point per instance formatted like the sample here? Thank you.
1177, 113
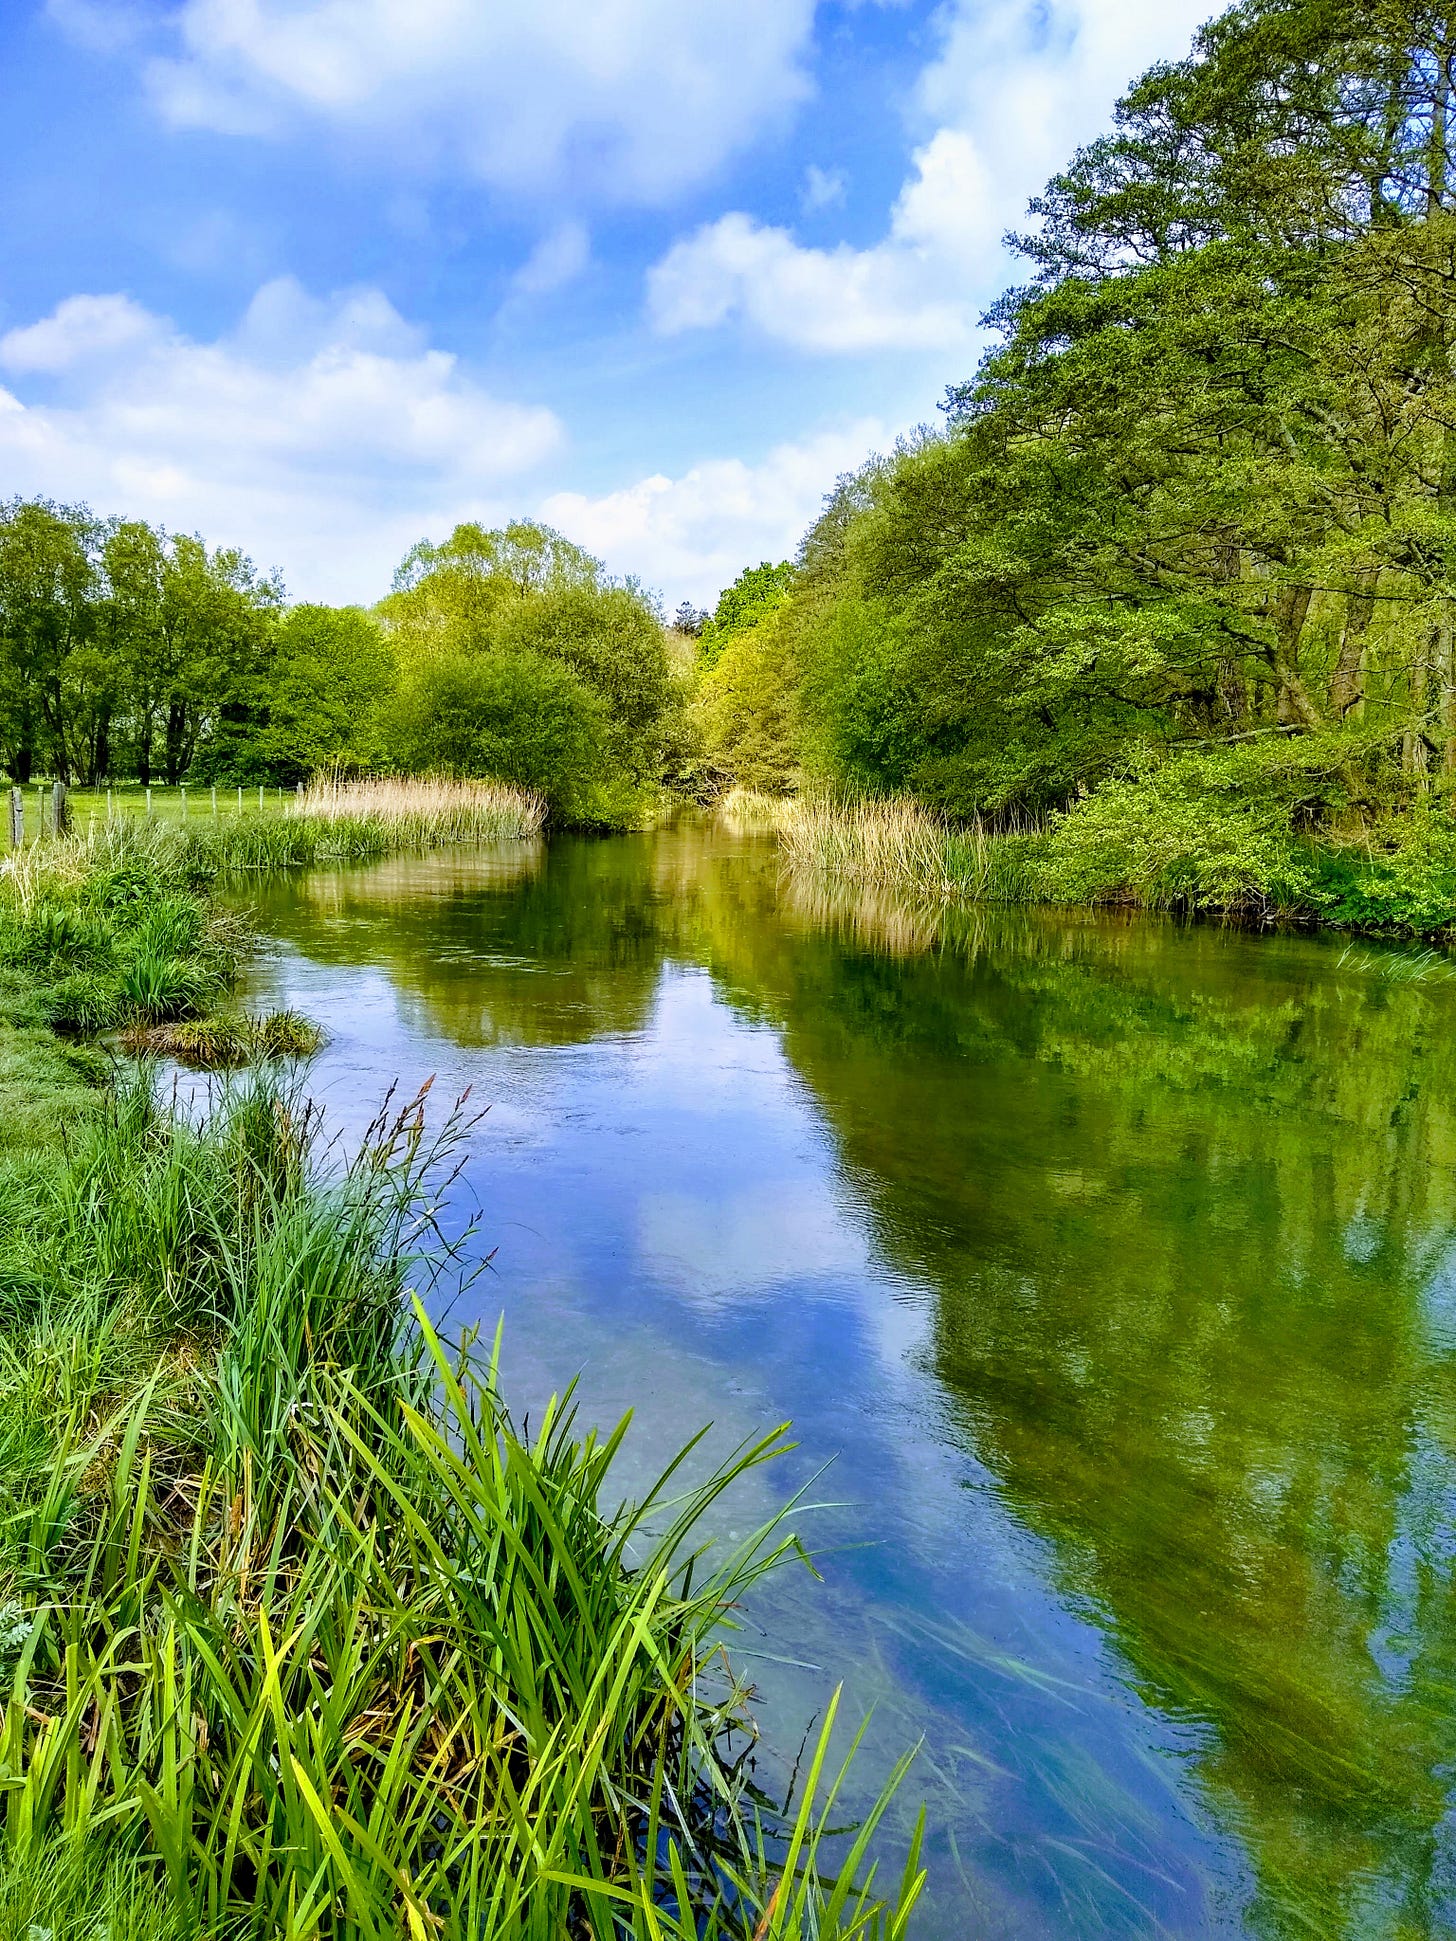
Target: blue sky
321, 277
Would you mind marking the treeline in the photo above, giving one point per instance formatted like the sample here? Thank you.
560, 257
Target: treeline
126, 652
1185, 546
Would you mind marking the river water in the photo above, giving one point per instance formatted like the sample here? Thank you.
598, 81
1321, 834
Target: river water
1105, 1269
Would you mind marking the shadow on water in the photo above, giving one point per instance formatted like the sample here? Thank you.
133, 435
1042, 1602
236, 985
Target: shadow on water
1110, 1260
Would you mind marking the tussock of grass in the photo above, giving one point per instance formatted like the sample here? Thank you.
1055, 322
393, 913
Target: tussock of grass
213, 1044
301, 1634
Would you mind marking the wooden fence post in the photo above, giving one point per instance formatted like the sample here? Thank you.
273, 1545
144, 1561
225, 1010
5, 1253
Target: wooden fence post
149, 798
184, 799
17, 818
60, 810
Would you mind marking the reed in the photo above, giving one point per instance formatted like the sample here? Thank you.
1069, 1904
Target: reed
892, 843
446, 811
303, 1635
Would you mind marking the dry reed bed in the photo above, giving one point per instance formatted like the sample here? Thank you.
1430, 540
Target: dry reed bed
449, 811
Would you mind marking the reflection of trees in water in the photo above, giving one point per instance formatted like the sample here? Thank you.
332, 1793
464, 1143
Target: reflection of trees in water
491, 947
1182, 1194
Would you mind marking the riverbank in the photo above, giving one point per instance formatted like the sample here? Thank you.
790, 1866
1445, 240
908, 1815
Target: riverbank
301, 1635
1398, 877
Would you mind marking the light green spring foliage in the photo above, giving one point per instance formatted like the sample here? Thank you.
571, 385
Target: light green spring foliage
1193, 512
121, 646
747, 712
519, 658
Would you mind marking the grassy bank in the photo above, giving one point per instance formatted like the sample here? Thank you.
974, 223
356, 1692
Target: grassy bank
300, 1634
1134, 846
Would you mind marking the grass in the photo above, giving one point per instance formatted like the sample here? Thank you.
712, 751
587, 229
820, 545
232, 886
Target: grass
301, 1634
214, 1044
1132, 845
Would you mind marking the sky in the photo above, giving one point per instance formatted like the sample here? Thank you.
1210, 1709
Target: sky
320, 278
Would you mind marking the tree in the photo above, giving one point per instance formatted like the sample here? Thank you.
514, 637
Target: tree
524, 594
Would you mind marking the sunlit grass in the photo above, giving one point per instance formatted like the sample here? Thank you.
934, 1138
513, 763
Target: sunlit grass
303, 1635
889, 842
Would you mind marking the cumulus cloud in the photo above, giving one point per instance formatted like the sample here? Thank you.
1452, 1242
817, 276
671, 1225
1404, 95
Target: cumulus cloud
77, 331
913, 291
692, 535
322, 434
1015, 86
630, 98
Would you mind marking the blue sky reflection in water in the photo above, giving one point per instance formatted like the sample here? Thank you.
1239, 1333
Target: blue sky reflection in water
1106, 1263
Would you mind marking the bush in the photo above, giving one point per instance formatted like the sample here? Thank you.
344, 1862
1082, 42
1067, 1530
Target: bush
519, 717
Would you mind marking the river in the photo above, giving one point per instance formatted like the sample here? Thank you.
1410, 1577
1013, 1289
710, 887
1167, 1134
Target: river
1104, 1267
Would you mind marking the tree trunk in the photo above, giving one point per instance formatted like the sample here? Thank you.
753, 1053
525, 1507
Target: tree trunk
1291, 609
1347, 685
1415, 750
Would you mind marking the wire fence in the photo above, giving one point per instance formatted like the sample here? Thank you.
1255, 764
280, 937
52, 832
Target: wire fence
39, 809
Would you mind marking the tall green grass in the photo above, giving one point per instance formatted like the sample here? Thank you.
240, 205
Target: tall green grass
301, 1634
891, 843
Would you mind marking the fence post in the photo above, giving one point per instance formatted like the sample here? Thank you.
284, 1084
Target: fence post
108, 805
149, 798
60, 813
17, 818
260, 795
240, 798
184, 799
214, 798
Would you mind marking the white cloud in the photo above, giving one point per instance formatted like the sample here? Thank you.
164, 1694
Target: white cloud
323, 435
1016, 86
558, 259
691, 536
77, 331
630, 98
823, 188
913, 291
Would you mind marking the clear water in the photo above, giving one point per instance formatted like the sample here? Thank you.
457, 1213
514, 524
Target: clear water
1105, 1270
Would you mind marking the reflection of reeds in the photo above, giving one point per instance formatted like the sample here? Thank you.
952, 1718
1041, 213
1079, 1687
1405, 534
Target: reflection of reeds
884, 918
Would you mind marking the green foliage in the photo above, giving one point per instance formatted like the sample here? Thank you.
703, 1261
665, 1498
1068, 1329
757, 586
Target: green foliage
319, 705
520, 716
120, 645
757, 592
519, 659
749, 710
1196, 498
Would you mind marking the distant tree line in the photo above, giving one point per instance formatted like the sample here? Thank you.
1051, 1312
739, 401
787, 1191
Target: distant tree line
126, 651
